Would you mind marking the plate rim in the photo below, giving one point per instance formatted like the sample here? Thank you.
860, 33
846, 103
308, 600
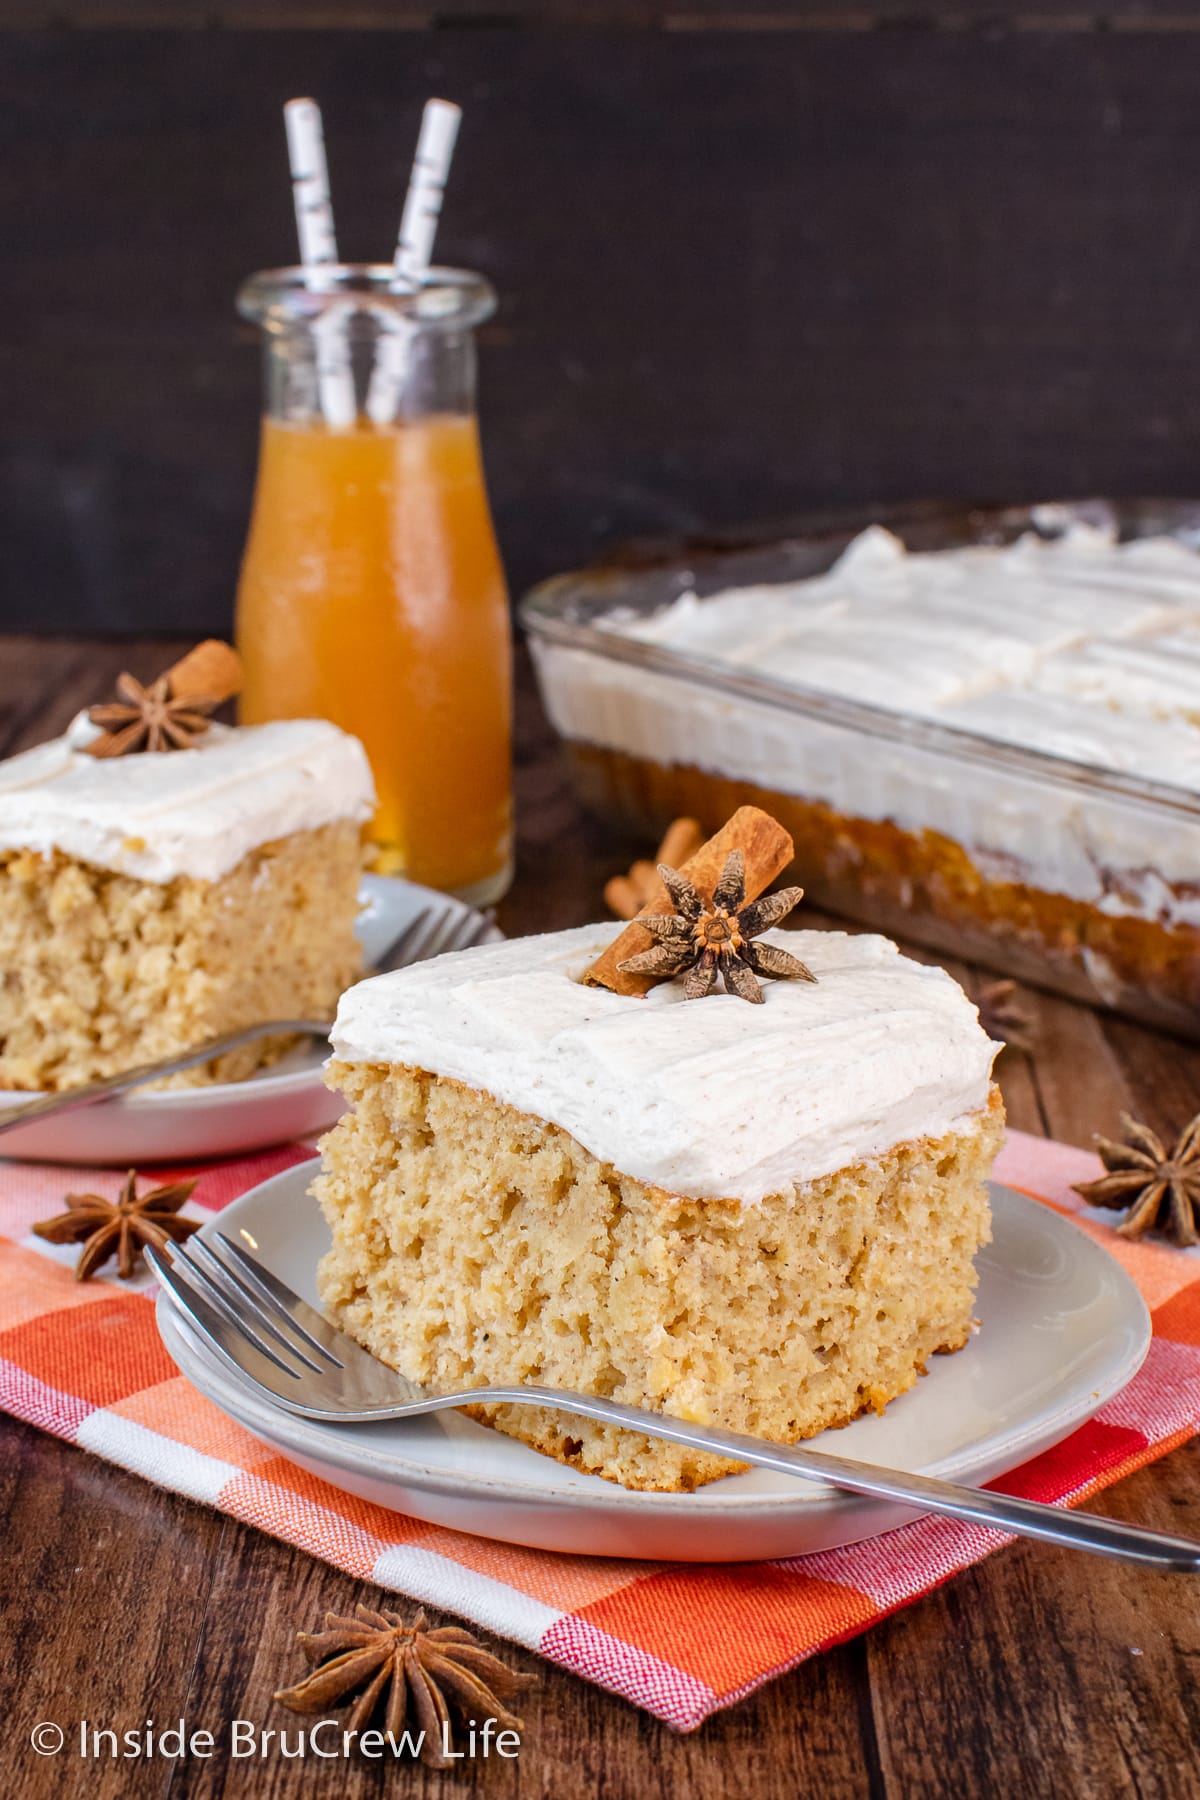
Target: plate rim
810, 1496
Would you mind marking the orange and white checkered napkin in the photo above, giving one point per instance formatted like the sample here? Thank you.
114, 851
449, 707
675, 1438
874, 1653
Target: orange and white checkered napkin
84, 1361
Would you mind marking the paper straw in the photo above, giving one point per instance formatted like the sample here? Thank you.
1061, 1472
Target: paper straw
414, 247
427, 185
318, 249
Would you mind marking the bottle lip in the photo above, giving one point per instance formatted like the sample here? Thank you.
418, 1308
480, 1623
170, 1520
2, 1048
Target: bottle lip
447, 300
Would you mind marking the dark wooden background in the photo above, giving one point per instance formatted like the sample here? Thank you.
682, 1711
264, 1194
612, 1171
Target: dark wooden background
753, 259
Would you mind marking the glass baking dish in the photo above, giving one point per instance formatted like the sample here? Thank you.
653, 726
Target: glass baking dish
1077, 878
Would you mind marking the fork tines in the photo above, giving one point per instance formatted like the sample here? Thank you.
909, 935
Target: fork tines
433, 932
229, 1296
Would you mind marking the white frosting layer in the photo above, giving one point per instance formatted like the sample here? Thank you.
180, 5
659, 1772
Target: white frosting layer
714, 1097
1077, 647
185, 812
923, 633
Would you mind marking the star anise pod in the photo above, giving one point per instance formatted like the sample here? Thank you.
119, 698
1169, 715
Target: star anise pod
149, 718
121, 1227
381, 1663
1158, 1189
712, 939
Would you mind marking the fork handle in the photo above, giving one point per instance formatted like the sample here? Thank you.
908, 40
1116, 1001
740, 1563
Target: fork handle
978, 1506
87, 1095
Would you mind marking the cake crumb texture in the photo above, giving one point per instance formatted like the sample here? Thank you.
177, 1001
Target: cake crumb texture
99, 971
474, 1243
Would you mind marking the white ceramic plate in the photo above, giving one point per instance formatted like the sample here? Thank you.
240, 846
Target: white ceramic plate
1062, 1329
287, 1101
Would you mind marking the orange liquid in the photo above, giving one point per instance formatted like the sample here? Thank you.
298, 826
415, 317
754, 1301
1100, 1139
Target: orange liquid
372, 594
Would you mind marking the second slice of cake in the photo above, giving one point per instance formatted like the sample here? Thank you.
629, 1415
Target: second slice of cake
763, 1217
153, 899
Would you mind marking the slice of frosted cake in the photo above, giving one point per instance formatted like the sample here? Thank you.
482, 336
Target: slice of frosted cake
151, 899
760, 1216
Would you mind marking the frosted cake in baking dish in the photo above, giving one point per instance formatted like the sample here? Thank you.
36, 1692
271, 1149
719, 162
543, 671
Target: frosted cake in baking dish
149, 901
1056, 833
761, 1216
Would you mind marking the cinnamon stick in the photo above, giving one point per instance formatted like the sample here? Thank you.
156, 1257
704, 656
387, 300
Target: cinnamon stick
211, 672
768, 850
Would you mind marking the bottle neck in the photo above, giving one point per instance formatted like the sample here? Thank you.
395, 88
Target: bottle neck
349, 367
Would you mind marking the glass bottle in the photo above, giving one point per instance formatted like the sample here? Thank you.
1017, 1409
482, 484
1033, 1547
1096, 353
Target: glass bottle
371, 590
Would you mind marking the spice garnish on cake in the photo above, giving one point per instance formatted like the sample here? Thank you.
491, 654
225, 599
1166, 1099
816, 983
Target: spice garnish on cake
709, 940
172, 713
759, 1216
766, 850
165, 878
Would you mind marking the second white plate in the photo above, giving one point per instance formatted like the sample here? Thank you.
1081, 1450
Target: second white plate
1063, 1328
289, 1100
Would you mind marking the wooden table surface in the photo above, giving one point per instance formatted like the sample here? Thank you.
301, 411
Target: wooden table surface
1036, 1673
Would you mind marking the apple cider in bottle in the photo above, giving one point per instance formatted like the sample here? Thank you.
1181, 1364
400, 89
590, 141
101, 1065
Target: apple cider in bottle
371, 590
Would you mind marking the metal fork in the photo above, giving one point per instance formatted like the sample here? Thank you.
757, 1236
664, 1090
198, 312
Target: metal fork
270, 1336
432, 932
